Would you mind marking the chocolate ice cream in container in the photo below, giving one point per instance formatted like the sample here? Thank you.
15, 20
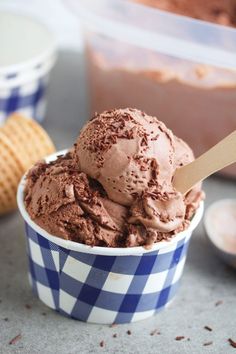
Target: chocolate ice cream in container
107, 235
28, 53
176, 67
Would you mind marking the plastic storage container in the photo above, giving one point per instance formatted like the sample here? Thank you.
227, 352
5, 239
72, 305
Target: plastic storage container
180, 69
27, 57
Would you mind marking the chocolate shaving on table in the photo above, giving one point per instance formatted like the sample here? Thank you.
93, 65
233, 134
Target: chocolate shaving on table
219, 302
232, 342
102, 343
207, 343
15, 339
179, 338
155, 331
208, 328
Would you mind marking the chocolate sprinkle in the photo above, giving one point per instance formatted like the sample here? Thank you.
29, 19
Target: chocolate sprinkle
179, 337
154, 332
220, 302
208, 328
207, 343
129, 332
232, 342
15, 339
102, 343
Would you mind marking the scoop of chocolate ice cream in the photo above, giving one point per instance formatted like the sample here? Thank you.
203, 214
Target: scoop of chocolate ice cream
127, 151
67, 203
114, 188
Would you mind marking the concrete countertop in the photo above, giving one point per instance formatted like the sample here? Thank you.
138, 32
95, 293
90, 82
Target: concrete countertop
207, 296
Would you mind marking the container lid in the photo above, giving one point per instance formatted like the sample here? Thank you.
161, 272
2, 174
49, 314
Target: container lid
24, 43
166, 33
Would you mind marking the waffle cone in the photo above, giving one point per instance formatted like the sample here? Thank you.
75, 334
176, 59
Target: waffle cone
29, 138
22, 143
11, 171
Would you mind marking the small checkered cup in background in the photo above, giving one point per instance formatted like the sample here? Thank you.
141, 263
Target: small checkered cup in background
100, 284
27, 56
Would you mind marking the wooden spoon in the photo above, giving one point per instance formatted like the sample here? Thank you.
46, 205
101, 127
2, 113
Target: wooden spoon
218, 157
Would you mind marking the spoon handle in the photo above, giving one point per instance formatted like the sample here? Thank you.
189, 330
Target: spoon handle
218, 157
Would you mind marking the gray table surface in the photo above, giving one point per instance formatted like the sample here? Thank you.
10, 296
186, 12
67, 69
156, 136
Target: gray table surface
206, 279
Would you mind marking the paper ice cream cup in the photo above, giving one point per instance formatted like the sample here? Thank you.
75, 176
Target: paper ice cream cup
24, 71
100, 284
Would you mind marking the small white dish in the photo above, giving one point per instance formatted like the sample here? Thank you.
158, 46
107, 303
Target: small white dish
220, 226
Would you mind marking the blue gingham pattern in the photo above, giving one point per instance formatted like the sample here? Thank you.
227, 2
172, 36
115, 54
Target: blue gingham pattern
28, 99
104, 289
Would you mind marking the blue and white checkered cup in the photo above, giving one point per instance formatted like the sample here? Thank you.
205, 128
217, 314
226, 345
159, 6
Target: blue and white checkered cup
100, 284
24, 73
25, 93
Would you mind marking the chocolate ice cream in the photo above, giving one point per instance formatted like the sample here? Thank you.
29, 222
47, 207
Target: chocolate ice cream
114, 187
67, 203
127, 152
189, 93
